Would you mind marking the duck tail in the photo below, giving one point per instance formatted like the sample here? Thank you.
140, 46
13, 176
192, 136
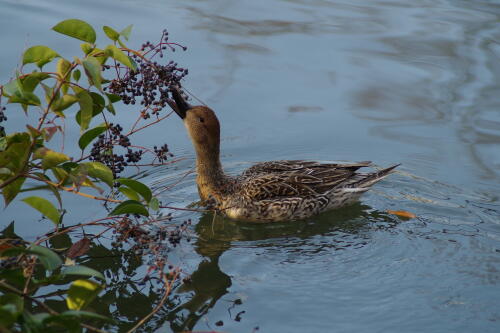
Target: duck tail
375, 177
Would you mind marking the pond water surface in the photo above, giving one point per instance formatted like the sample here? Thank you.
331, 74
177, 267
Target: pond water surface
411, 82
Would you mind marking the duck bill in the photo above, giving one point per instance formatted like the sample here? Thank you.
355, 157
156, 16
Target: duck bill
179, 104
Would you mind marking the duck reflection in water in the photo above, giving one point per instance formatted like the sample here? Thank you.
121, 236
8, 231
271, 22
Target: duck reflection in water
215, 235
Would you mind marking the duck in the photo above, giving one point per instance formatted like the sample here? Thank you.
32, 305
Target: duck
273, 191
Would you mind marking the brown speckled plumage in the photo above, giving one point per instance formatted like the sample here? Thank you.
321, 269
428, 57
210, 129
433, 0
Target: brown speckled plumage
269, 191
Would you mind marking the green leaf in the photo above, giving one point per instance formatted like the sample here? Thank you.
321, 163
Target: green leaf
45, 207
49, 259
82, 293
126, 32
63, 103
11, 87
77, 29
113, 98
3, 143
33, 322
16, 152
154, 204
14, 277
118, 55
65, 87
130, 207
129, 193
50, 158
99, 171
31, 81
92, 68
24, 97
137, 186
59, 323
111, 33
96, 109
110, 107
10, 191
69, 166
33, 132
11, 307
56, 193
90, 135
63, 67
86, 48
59, 173
121, 44
8, 232
98, 103
50, 93
86, 109
39, 54
85, 314
82, 270
76, 75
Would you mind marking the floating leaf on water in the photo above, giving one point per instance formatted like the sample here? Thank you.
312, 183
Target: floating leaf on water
402, 213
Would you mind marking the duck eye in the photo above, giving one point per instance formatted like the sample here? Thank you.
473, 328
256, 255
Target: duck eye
201, 120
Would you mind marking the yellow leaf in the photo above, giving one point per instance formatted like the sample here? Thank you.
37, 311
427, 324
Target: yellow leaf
82, 293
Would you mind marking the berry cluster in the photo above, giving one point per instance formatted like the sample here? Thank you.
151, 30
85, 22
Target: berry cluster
154, 243
152, 240
102, 150
7, 263
116, 135
162, 153
151, 81
3, 118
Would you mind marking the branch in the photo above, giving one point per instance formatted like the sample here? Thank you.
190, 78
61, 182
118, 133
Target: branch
10, 180
160, 304
80, 225
72, 190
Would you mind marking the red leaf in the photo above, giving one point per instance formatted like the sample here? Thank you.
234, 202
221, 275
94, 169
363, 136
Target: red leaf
5, 246
50, 131
79, 248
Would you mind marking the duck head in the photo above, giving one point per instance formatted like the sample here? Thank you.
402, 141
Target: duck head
201, 123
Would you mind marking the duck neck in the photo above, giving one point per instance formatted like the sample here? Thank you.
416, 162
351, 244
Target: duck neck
211, 178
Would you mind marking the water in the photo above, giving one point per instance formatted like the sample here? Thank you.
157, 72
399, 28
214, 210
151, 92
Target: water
405, 82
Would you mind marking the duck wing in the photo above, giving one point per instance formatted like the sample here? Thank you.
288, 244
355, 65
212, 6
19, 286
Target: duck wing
277, 179
305, 167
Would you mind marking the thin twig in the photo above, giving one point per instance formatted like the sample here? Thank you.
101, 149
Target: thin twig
188, 209
147, 125
80, 225
178, 181
160, 304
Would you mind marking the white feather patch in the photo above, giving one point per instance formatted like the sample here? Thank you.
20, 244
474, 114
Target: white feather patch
355, 189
